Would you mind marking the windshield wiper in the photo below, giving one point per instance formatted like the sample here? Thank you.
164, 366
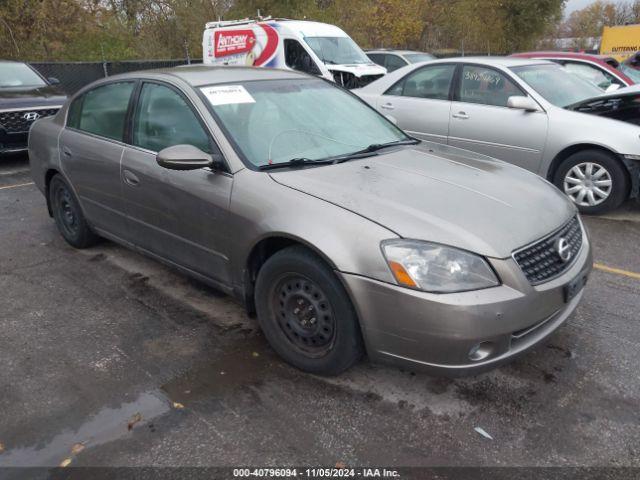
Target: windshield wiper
295, 162
374, 147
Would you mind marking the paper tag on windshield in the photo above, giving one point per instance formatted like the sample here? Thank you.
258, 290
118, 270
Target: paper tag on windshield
227, 95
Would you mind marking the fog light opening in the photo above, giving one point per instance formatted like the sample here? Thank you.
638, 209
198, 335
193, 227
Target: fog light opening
480, 351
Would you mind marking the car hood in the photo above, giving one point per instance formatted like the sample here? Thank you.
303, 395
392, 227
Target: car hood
441, 194
30, 97
359, 70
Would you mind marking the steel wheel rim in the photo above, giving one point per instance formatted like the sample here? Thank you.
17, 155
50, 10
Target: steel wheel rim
304, 314
588, 184
67, 211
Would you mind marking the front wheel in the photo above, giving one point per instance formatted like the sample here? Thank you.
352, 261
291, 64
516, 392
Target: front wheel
594, 180
306, 314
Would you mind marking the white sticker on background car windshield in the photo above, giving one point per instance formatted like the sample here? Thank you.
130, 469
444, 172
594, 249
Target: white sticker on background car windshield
227, 94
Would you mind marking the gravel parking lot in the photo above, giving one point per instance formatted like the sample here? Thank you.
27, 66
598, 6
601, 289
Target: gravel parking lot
109, 358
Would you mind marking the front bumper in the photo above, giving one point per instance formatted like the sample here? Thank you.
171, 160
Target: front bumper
436, 332
13, 142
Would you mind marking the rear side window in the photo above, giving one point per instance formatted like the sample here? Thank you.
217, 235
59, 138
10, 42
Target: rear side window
377, 58
486, 86
431, 82
103, 110
163, 119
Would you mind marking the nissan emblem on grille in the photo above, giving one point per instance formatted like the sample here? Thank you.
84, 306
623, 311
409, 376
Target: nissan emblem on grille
563, 248
550, 256
31, 116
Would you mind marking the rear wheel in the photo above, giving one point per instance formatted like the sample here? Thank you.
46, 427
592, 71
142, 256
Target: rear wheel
68, 215
306, 314
594, 180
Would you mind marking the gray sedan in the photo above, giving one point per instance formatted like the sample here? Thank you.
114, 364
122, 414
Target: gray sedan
343, 234
513, 109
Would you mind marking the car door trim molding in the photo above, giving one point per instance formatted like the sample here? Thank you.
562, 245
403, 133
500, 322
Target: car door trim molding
493, 144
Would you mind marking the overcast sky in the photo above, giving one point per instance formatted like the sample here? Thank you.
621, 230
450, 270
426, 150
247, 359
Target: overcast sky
578, 4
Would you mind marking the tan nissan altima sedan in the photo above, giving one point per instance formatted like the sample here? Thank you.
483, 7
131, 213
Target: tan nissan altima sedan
344, 234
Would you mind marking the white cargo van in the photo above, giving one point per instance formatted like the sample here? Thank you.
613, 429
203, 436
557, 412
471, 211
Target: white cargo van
312, 47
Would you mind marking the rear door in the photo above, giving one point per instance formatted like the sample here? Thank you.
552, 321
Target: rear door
420, 102
91, 146
482, 122
180, 216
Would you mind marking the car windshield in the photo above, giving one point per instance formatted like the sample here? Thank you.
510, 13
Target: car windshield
337, 50
275, 121
18, 75
418, 57
557, 85
630, 72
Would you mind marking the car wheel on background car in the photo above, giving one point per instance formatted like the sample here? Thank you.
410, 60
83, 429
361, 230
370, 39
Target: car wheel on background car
594, 180
68, 215
306, 314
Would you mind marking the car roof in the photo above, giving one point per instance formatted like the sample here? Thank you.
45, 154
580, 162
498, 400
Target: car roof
387, 50
200, 75
577, 55
506, 62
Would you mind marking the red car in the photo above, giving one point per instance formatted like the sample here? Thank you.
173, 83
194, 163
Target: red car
599, 69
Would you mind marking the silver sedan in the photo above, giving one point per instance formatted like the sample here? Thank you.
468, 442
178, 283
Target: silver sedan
513, 109
343, 234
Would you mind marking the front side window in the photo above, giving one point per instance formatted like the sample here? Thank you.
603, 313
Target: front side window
337, 50
592, 74
433, 82
164, 119
297, 58
630, 72
18, 75
394, 62
486, 86
104, 110
276, 121
556, 85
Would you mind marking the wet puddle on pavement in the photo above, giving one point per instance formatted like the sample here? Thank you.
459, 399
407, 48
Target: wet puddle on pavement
247, 364
107, 425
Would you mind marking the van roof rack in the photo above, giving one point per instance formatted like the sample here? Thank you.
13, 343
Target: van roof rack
244, 21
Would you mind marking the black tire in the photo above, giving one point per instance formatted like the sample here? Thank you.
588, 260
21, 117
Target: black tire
296, 279
615, 170
68, 215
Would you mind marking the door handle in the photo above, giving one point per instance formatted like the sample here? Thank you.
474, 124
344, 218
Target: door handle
66, 152
387, 106
461, 115
130, 178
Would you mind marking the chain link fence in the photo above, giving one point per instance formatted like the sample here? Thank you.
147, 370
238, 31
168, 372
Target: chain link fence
75, 75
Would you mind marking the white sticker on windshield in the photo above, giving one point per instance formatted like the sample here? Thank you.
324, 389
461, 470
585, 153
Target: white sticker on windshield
227, 94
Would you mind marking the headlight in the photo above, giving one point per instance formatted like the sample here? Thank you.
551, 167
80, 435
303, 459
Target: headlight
437, 268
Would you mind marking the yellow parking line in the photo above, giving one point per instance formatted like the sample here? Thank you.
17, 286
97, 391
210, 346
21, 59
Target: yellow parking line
617, 271
16, 186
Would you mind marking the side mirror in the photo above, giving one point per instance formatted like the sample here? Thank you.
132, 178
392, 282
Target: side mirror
520, 102
187, 157
53, 81
612, 88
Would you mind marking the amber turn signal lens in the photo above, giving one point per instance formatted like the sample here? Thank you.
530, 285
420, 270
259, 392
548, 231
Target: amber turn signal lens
401, 275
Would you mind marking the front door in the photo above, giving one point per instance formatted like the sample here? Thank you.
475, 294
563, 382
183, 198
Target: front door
482, 122
180, 216
91, 148
420, 102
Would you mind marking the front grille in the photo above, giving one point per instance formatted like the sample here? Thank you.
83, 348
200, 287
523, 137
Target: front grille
541, 261
15, 122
